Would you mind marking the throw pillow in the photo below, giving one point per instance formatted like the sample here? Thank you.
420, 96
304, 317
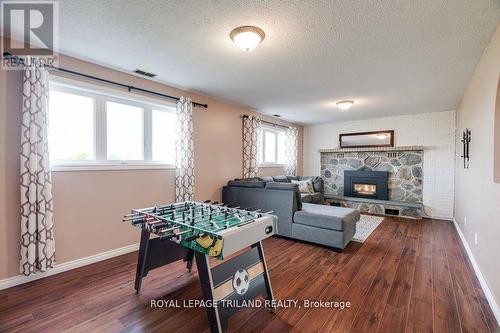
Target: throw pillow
305, 186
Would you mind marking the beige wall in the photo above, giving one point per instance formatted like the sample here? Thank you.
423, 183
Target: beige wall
497, 136
477, 196
107, 195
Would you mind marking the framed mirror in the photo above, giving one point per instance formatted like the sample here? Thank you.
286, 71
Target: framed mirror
367, 139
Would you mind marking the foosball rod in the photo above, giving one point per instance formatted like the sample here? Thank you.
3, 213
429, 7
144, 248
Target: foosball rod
172, 207
201, 214
139, 216
165, 237
204, 220
194, 228
151, 220
181, 210
151, 209
225, 221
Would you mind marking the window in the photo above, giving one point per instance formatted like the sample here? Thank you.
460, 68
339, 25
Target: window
96, 127
272, 146
73, 142
125, 132
163, 136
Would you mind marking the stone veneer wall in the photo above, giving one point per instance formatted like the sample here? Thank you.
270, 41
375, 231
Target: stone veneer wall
405, 171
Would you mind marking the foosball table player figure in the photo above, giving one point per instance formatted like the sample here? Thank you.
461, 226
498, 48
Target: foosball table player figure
207, 230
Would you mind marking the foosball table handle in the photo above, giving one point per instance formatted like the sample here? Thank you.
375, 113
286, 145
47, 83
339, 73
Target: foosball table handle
192, 238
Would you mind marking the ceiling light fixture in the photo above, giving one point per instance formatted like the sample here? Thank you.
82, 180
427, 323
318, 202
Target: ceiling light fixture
247, 37
345, 105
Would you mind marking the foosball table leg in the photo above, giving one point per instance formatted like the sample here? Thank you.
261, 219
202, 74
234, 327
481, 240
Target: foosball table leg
234, 281
269, 289
205, 275
189, 259
141, 260
154, 253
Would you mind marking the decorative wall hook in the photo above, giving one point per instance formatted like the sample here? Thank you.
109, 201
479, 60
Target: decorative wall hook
466, 135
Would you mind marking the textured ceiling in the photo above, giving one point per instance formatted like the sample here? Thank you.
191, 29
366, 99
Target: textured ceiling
392, 57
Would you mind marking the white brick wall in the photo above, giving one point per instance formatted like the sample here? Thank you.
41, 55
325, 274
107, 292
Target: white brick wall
435, 131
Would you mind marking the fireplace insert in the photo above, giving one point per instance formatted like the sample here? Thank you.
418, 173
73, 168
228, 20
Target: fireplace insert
366, 184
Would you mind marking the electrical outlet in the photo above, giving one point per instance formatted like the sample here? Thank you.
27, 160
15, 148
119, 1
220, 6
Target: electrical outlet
465, 220
475, 238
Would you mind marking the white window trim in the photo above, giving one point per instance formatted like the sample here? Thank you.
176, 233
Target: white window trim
275, 164
97, 167
102, 94
271, 165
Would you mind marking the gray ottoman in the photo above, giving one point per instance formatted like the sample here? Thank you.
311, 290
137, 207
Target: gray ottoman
326, 225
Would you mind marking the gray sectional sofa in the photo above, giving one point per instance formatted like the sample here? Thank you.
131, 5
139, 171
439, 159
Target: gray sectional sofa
316, 223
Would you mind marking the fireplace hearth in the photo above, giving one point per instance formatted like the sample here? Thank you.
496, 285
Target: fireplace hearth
366, 184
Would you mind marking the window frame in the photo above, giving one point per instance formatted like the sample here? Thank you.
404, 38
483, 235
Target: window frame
102, 94
277, 132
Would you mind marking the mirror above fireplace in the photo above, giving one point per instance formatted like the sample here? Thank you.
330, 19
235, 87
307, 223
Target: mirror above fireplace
367, 139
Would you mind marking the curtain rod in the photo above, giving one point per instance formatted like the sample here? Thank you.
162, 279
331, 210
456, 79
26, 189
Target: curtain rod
122, 85
268, 122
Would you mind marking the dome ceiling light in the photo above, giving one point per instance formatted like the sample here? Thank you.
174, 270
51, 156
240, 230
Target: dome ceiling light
345, 105
247, 37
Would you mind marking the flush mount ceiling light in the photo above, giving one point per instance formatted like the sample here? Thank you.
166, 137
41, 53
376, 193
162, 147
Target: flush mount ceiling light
345, 105
247, 37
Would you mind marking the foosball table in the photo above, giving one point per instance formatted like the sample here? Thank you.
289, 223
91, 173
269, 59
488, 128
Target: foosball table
207, 230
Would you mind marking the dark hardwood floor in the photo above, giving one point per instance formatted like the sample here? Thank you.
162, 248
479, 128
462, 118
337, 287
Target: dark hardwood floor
409, 276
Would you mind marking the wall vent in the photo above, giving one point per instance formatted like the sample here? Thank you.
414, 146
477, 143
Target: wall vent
144, 73
389, 211
392, 154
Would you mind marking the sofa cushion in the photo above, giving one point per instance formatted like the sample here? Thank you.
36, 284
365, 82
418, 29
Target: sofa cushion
281, 179
246, 183
305, 186
290, 178
318, 183
306, 197
267, 178
326, 217
254, 179
281, 186
286, 187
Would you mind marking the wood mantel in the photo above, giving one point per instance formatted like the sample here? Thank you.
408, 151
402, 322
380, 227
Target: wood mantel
350, 150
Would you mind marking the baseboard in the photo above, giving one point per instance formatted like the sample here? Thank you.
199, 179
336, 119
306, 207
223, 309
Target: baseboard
59, 268
489, 295
442, 218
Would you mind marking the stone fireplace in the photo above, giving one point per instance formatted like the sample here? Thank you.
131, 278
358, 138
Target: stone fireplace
375, 180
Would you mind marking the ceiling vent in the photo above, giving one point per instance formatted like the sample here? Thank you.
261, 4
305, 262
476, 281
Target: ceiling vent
144, 73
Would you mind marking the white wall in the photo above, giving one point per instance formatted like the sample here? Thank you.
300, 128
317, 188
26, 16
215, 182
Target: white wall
478, 196
435, 131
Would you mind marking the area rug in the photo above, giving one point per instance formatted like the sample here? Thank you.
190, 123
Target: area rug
365, 226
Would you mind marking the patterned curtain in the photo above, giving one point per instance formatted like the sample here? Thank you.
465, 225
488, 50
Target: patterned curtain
292, 142
184, 148
37, 227
251, 144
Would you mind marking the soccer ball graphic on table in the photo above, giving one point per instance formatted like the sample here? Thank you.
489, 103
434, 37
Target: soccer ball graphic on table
241, 281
